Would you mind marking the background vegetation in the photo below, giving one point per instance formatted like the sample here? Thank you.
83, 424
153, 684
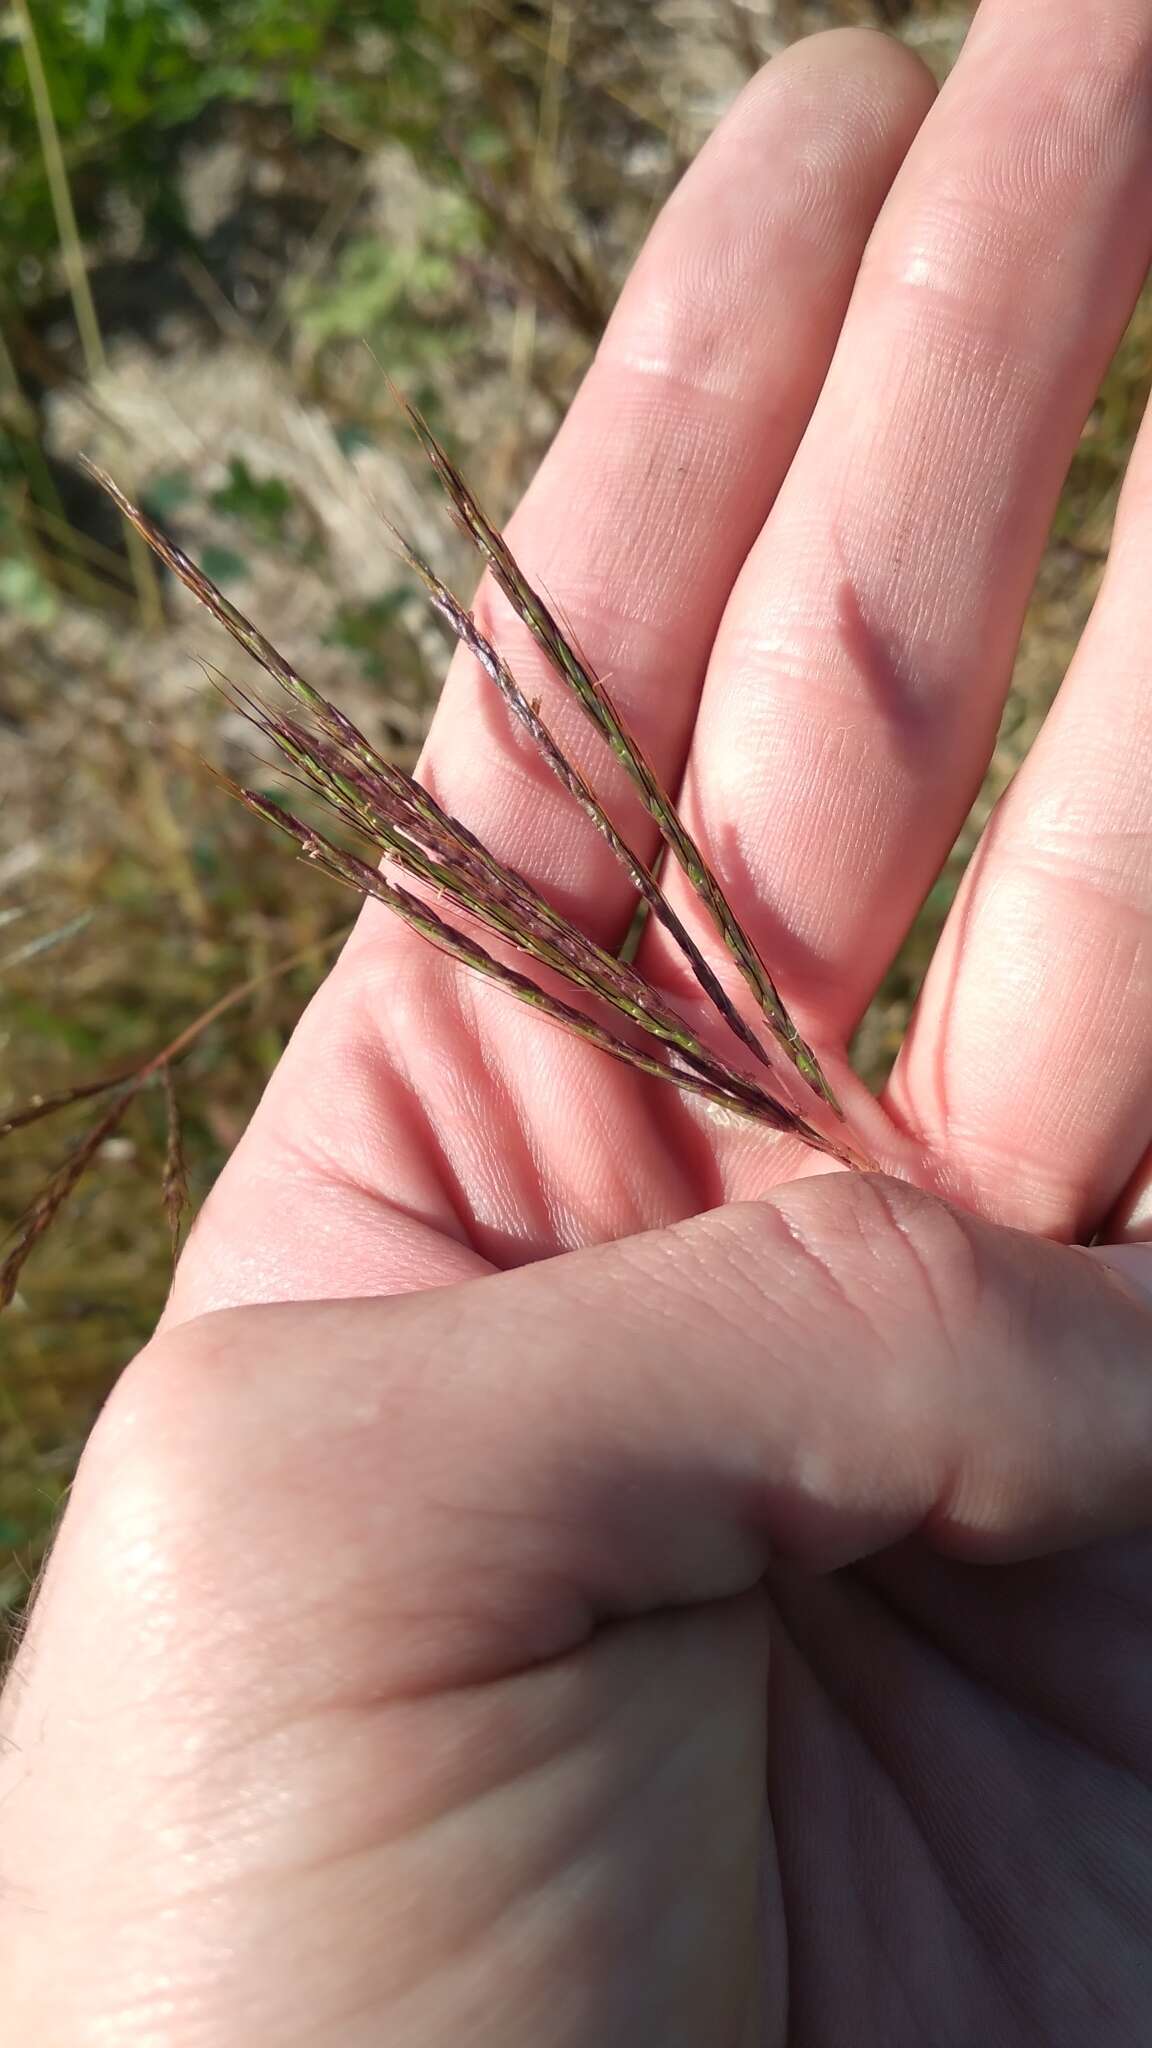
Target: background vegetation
209, 208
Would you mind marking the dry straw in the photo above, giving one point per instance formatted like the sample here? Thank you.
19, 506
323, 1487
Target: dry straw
464, 900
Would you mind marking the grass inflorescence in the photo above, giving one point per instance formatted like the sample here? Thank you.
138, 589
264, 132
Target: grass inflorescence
592, 695
117, 1093
428, 867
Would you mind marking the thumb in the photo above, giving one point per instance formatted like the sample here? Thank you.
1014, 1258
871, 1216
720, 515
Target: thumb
485, 1473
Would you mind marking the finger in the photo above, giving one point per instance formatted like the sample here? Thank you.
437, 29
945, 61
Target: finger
1032, 1044
860, 671
294, 1528
668, 462
496, 1469
642, 512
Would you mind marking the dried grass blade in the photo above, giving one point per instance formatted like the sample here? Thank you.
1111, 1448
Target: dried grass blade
744, 1099
404, 823
464, 626
43, 1211
597, 704
563, 948
48, 1105
174, 1185
326, 714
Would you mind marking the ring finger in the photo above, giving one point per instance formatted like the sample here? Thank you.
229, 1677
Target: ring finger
1033, 1040
861, 667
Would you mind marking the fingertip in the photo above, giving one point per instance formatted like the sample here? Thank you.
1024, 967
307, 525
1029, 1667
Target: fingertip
858, 62
837, 110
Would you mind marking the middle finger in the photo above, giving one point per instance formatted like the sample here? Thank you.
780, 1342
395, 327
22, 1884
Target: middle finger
862, 663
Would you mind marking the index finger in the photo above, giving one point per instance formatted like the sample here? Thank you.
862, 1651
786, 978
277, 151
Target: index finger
658, 482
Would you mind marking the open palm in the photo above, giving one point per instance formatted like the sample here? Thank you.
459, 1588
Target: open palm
795, 515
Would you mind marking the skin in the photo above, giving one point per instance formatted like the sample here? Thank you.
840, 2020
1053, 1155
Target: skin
567, 1572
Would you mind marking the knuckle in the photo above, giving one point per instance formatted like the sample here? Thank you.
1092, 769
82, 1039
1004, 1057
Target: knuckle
935, 1251
163, 1470
158, 1404
878, 1254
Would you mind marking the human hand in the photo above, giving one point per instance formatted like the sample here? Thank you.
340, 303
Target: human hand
453, 1668
875, 1349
